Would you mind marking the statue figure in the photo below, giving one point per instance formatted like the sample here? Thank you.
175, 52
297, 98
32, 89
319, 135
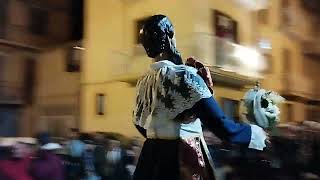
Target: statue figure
173, 101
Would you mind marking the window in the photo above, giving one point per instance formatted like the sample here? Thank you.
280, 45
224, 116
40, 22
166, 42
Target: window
100, 104
77, 16
225, 27
263, 16
3, 17
231, 108
139, 25
73, 59
39, 21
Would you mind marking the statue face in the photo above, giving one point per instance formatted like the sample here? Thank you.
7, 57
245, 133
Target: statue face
262, 107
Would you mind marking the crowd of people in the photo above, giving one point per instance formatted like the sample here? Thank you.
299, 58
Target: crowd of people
293, 153
83, 156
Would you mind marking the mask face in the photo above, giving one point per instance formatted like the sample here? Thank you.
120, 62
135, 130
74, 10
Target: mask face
262, 107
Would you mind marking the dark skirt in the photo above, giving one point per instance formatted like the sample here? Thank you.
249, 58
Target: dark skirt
172, 160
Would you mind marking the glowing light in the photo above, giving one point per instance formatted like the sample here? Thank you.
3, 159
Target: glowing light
253, 4
250, 58
265, 44
79, 48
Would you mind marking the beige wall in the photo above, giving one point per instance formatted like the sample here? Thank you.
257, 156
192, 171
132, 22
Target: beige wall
111, 40
13, 69
115, 32
119, 103
57, 92
53, 81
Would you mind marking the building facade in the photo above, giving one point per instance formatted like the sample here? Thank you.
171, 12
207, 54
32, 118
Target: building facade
291, 29
114, 60
35, 40
53, 79
213, 31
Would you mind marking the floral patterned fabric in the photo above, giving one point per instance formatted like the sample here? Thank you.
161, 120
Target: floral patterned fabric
163, 93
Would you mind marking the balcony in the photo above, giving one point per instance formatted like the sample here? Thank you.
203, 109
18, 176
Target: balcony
252, 4
297, 86
230, 63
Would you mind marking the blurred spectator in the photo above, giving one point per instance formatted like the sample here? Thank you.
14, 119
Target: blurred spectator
100, 156
131, 156
47, 165
4, 152
136, 147
76, 146
130, 165
116, 166
89, 162
293, 154
16, 166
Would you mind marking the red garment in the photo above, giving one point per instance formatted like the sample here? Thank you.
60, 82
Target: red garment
15, 169
203, 71
193, 166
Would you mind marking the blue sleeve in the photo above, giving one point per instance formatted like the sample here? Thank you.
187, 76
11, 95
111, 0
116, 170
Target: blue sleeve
213, 117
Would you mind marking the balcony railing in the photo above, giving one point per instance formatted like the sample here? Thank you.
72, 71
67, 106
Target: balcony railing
216, 53
297, 85
252, 4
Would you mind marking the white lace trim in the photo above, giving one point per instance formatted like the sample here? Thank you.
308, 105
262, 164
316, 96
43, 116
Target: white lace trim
258, 138
165, 92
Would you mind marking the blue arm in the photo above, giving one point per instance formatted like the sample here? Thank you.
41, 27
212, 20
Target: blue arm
225, 128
